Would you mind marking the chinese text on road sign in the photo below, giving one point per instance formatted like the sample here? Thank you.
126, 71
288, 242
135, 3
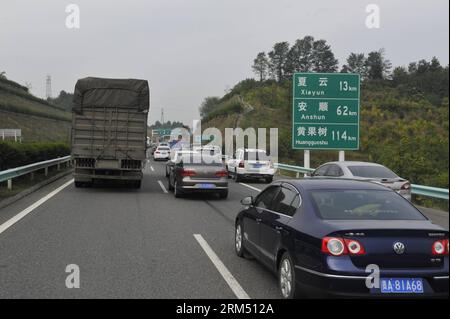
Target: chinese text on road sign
326, 111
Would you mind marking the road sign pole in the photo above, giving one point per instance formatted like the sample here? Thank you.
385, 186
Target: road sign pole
341, 156
307, 159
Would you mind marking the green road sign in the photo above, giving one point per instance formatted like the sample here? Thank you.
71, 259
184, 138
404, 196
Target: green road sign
162, 131
326, 109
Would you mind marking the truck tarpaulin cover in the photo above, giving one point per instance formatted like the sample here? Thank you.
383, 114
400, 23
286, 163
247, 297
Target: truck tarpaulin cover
97, 92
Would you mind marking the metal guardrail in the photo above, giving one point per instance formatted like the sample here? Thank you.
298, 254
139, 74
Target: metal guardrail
441, 193
428, 191
10, 174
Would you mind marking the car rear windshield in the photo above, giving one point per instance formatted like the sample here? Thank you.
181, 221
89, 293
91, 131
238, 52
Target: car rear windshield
256, 156
363, 205
201, 159
372, 172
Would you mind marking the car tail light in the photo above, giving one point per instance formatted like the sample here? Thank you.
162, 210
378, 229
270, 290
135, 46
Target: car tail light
334, 246
188, 173
241, 164
339, 247
406, 186
354, 247
157, 152
222, 173
440, 248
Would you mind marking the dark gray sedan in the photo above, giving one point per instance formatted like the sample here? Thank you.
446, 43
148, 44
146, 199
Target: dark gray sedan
198, 173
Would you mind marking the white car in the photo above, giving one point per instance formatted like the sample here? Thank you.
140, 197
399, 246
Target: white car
251, 163
161, 153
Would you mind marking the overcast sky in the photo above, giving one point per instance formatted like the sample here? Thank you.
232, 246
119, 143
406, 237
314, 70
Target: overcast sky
191, 49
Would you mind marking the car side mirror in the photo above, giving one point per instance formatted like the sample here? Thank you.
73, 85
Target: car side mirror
247, 201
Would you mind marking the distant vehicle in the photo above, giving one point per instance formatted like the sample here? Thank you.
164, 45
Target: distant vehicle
213, 150
109, 130
250, 163
365, 171
176, 157
197, 173
161, 153
319, 235
164, 144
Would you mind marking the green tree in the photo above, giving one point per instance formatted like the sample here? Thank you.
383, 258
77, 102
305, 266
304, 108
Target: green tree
278, 59
323, 59
300, 56
208, 105
261, 66
378, 67
357, 64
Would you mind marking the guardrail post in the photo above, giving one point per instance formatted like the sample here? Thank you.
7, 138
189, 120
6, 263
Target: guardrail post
32, 176
58, 167
10, 184
46, 171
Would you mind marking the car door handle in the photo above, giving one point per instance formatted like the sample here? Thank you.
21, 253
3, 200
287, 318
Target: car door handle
258, 220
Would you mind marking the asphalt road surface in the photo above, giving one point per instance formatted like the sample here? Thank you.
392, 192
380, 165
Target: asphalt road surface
130, 243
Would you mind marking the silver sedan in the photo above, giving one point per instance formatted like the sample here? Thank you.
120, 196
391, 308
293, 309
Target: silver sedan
365, 171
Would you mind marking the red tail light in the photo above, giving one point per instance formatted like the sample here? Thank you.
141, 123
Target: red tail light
406, 186
339, 247
222, 173
157, 152
440, 248
242, 164
188, 173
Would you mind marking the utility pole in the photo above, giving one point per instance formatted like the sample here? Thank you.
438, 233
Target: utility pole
48, 86
162, 116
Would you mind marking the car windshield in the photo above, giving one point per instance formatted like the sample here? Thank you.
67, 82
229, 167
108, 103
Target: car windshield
201, 159
372, 172
363, 205
256, 156
163, 149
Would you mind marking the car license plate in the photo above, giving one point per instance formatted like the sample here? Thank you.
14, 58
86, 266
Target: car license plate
402, 286
257, 165
206, 186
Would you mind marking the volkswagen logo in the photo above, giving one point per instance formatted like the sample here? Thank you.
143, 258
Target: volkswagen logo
399, 248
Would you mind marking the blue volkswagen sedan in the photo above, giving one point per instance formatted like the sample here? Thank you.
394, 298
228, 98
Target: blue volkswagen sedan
338, 238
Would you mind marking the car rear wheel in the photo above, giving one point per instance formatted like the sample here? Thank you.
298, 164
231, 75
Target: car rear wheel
79, 184
286, 278
223, 194
137, 184
239, 241
177, 191
237, 177
269, 179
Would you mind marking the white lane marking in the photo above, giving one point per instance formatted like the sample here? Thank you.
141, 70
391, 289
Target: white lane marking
223, 270
152, 169
251, 187
163, 187
29, 209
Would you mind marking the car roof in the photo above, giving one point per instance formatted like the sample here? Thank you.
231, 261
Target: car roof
353, 163
335, 184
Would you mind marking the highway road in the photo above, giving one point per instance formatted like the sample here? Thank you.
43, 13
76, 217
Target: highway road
130, 243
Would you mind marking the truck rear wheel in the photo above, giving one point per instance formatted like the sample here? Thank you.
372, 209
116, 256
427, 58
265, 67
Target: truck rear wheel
137, 184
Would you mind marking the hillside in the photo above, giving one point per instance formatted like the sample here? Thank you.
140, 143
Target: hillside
404, 124
38, 119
